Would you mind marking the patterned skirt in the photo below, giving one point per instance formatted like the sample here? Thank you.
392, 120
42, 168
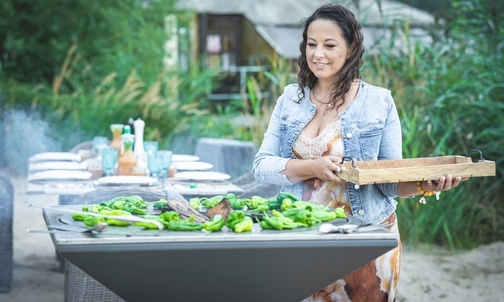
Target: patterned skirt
375, 281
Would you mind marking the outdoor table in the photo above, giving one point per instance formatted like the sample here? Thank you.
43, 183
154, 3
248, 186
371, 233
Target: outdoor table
67, 190
263, 265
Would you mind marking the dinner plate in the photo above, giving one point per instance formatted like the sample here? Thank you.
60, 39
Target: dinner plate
193, 166
59, 175
127, 180
202, 176
57, 165
55, 156
184, 157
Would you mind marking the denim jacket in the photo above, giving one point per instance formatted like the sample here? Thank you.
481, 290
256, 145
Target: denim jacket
370, 128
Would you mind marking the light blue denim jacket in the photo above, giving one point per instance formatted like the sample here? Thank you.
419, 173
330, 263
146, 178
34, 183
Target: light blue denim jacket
370, 128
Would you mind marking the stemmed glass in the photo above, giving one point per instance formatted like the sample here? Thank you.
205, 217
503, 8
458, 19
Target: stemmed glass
99, 142
154, 162
151, 146
166, 159
108, 159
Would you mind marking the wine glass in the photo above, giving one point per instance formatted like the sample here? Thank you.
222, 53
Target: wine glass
108, 159
166, 159
151, 146
154, 162
99, 142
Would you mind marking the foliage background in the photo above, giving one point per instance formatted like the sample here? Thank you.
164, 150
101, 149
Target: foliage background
80, 72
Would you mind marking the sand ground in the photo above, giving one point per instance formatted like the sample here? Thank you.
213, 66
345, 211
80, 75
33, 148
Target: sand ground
476, 275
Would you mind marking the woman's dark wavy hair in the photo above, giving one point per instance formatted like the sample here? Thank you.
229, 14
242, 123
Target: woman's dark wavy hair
352, 33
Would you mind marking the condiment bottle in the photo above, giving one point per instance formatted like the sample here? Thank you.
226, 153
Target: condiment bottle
141, 155
117, 130
127, 161
131, 123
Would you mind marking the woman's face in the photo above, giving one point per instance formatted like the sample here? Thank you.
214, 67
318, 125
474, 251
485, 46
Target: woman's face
326, 49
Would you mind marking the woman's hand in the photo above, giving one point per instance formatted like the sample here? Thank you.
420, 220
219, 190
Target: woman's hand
444, 183
325, 169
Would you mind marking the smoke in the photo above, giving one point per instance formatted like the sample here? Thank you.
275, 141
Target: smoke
23, 135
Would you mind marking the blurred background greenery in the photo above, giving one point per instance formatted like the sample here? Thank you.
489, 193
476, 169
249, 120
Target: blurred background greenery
82, 72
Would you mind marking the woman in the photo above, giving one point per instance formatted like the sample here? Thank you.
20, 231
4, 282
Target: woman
328, 114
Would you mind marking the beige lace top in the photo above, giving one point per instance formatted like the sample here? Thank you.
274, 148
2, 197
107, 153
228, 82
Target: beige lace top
328, 142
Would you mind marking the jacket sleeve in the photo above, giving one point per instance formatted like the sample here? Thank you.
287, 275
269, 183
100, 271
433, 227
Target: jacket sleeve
268, 163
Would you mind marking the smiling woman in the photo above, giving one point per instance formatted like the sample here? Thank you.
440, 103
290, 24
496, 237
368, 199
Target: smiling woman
328, 115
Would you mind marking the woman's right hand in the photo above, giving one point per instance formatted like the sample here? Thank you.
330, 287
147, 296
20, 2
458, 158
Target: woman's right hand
326, 167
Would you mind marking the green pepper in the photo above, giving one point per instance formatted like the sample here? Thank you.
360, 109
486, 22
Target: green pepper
255, 201
234, 218
79, 216
274, 204
157, 218
298, 215
287, 223
169, 216
283, 195
235, 202
117, 204
184, 225
115, 212
147, 225
211, 202
309, 206
286, 204
272, 223
195, 203
160, 204
215, 224
136, 200
264, 225
93, 220
116, 222
324, 216
244, 225
129, 207
340, 212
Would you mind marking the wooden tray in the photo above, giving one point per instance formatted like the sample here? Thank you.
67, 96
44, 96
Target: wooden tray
414, 169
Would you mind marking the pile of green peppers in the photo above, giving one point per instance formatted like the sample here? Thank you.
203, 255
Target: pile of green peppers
118, 206
255, 203
91, 220
238, 222
279, 222
132, 204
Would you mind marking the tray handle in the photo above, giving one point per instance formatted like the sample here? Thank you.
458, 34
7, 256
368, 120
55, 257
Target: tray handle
345, 158
475, 150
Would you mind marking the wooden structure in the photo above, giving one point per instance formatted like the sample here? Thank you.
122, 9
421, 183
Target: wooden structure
414, 169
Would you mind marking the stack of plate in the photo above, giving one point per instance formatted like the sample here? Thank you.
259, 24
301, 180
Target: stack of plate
192, 166
59, 176
201, 176
127, 180
55, 156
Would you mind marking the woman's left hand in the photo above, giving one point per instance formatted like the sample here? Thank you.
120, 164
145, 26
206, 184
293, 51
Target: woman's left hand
444, 183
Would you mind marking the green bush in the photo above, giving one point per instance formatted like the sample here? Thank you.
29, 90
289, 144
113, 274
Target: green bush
449, 96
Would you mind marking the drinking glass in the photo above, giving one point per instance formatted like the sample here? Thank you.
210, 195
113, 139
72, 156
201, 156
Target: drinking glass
151, 146
154, 161
166, 159
98, 143
108, 159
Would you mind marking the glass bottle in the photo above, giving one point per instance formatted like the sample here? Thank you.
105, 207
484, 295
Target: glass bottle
127, 161
116, 142
141, 155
